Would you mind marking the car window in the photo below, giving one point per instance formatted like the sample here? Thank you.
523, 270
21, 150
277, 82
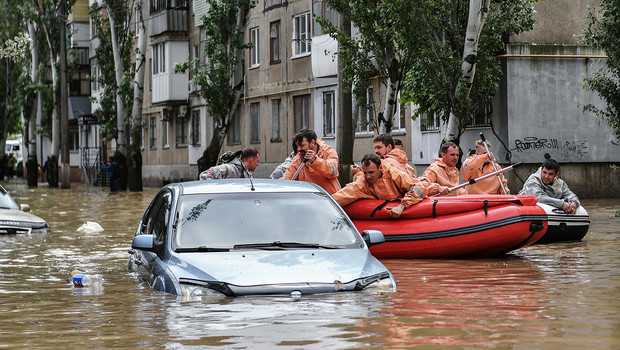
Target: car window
6, 201
225, 220
156, 221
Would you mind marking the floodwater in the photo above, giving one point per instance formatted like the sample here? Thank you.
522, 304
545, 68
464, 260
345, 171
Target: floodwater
556, 296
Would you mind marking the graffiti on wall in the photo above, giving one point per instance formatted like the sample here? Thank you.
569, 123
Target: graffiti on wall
574, 148
569, 149
532, 142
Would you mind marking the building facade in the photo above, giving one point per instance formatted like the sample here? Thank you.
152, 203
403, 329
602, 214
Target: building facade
290, 82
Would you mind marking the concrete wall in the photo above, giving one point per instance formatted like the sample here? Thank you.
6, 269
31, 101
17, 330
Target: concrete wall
557, 21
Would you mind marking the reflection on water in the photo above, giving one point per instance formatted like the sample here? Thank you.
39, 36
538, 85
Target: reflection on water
546, 296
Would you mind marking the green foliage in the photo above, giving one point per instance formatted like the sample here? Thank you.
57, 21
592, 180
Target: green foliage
380, 50
106, 112
437, 45
427, 38
225, 39
603, 31
14, 48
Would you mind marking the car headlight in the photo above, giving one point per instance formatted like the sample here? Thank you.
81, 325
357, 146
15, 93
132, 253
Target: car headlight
196, 291
381, 285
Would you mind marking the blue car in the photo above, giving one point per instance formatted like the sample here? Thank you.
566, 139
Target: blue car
240, 237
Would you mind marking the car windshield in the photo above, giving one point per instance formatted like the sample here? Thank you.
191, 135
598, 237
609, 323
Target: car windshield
238, 221
6, 201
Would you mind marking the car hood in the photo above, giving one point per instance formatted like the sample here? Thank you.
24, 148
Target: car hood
269, 267
8, 216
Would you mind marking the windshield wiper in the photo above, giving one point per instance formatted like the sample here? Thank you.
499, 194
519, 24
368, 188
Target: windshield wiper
201, 249
278, 244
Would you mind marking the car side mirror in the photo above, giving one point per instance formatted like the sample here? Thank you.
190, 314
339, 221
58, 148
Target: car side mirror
24, 207
143, 242
373, 237
147, 242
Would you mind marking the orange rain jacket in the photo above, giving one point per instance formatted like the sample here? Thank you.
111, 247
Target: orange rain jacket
444, 175
477, 165
398, 159
323, 171
392, 184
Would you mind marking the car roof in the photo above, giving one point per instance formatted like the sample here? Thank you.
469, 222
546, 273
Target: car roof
244, 185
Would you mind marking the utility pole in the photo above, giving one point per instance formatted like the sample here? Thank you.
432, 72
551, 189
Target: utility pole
344, 140
65, 168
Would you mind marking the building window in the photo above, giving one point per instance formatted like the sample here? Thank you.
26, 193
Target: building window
74, 140
320, 8
180, 129
95, 73
165, 132
301, 105
153, 133
159, 58
482, 116
255, 122
301, 34
234, 131
274, 42
398, 124
79, 85
329, 106
255, 49
365, 119
195, 135
276, 120
430, 122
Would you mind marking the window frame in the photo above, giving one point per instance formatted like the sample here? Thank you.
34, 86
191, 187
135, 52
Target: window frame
367, 114
255, 47
153, 133
302, 110
302, 39
275, 52
276, 120
195, 137
329, 114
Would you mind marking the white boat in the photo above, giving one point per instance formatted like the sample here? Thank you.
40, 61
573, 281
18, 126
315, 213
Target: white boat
563, 227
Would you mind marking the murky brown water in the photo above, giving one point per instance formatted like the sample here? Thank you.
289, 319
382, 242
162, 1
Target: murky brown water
559, 296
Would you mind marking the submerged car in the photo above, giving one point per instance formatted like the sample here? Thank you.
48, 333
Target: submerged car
17, 219
238, 237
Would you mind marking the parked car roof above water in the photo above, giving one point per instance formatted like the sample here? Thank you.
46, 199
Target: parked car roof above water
240, 237
246, 185
15, 219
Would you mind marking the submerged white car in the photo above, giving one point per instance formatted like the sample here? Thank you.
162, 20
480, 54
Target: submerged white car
16, 219
246, 237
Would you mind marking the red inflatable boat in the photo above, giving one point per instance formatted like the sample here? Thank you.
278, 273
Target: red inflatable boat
452, 227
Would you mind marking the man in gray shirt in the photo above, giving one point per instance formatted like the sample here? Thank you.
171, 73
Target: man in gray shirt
550, 189
236, 168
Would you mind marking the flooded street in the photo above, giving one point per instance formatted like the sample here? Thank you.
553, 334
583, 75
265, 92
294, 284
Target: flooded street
556, 296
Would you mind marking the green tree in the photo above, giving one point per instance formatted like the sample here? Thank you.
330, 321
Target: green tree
603, 31
114, 61
455, 45
376, 49
220, 77
438, 54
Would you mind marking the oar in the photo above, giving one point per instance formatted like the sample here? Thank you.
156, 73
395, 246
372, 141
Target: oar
484, 142
299, 169
486, 176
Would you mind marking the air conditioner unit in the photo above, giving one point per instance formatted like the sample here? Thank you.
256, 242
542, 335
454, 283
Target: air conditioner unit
164, 114
182, 111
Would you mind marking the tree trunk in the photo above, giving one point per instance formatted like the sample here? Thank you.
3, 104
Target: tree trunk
64, 110
121, 137
345, 132
134, 163
32, 166
478, 11
118, 73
